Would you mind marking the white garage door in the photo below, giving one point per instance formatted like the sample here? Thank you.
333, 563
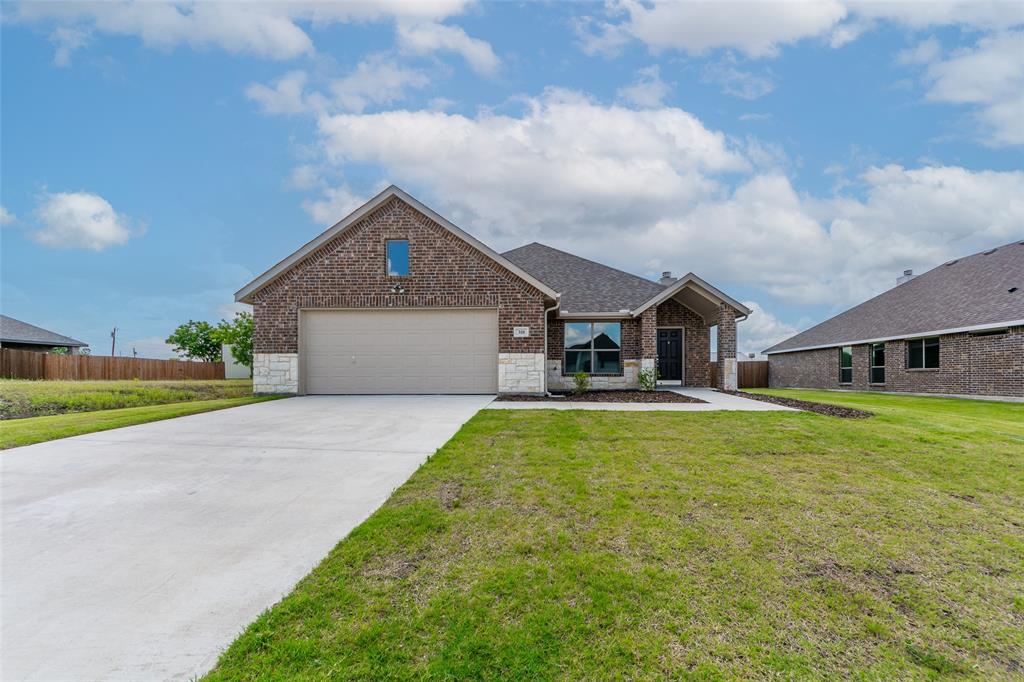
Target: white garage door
400, 351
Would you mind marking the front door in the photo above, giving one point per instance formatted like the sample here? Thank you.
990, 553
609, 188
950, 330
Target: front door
670, 354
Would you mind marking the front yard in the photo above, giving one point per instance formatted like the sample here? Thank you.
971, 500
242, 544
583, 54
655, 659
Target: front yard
37, 411
597, 545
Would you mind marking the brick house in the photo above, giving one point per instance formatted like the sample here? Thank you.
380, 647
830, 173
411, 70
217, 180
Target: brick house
397, 299
958, 329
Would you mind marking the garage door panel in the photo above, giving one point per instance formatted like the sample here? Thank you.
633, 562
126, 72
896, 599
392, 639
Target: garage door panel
400, 351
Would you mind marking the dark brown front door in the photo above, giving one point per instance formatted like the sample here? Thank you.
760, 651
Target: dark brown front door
670, 354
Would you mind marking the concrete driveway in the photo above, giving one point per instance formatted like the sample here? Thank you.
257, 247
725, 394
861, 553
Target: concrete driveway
140, 553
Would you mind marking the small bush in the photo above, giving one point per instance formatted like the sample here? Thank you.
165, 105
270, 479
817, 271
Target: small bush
581, 383
649, 379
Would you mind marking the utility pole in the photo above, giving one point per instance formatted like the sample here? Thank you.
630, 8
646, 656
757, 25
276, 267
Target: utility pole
113, 341
134, 354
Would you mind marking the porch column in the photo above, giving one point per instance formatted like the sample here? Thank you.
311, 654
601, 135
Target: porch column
726, 348
649, 338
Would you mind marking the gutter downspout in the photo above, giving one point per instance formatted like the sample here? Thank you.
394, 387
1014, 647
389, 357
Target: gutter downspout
558, 303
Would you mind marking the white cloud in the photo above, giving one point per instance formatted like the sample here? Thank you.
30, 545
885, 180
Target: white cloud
6, 217
760, 29
757, 29
653, 188
265, 29
924, 52
376, 80
68, 39
285, 96
648, 90
334, 204
566, 163
761, 330
990, 76
79, 220
736, 82
428, 37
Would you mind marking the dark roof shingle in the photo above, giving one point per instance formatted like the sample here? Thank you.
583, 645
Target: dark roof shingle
586, 286
966, 292
16, 331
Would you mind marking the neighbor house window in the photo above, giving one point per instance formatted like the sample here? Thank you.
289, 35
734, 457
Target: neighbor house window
878, 363
593, 347
846, 365
398, 257
923, 353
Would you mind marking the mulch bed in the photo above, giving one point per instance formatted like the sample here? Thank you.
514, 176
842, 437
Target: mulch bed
806, 405
609, 397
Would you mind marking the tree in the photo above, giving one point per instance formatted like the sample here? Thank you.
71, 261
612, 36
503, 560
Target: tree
59, 350
196, 341
238, 334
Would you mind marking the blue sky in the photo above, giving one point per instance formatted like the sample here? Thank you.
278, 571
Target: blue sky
157, 156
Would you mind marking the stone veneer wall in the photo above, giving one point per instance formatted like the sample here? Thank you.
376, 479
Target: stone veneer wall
520, 372
968, 365
275, 372
349, 271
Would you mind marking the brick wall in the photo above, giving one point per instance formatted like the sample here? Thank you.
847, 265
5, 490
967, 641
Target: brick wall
350, 272
696, 340
968, 365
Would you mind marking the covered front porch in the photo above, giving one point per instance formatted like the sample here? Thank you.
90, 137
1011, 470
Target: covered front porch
669, 335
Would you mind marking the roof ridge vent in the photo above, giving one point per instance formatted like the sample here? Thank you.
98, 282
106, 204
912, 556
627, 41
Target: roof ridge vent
985, 253
952, 262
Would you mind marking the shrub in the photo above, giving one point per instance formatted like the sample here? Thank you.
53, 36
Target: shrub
649, 378
581, 383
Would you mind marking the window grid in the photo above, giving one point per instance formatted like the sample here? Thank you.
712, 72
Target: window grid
587, 356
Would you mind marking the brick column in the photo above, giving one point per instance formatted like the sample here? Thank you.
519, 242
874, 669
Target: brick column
726, 348
649, 338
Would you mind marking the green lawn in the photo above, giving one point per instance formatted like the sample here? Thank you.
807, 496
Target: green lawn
15, 432
21, 398
610, 545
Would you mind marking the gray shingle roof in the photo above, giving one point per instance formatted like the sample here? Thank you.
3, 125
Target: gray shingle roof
586, 286
16, 331
967, 292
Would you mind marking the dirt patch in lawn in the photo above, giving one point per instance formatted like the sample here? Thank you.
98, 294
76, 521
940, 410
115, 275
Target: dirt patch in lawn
806, 405
609, 397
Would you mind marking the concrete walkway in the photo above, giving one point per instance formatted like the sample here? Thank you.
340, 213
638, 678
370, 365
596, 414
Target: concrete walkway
141, 553
714, 401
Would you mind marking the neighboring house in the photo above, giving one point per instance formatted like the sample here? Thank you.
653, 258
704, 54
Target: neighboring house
24, 336
396, 299
232, 368
957, 329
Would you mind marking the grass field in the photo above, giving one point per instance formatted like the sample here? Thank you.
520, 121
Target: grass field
645, 546
15, 432
20, 398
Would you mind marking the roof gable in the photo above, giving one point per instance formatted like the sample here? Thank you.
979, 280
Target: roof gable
591, 287
246, 293
964, 294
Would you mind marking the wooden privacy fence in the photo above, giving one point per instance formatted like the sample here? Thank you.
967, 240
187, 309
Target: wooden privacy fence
27, 364
749, 374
